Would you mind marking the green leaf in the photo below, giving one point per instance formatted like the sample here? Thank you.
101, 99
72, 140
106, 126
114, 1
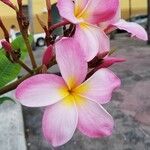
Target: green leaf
9, 71
3, 99
18, 43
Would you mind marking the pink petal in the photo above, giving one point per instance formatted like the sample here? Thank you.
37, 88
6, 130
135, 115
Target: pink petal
108, 25
48, 55
41, 90
92, 40
59, 122
94, 120
71, 61
133, 28
108, 61
99, 87
97, 11
66, 10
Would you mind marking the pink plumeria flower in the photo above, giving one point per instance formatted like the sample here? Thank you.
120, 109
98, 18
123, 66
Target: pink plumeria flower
71, 102
135, 29
86, 14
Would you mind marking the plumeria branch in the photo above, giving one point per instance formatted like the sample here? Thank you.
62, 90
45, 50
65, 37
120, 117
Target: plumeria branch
10, 4
48, 4
13, 85
23, 25
6, 34
23, 65
57, 25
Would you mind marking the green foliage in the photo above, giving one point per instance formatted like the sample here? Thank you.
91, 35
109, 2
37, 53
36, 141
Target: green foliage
3, 99
8, 70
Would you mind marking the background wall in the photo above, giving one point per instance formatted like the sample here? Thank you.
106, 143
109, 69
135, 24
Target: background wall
39, 7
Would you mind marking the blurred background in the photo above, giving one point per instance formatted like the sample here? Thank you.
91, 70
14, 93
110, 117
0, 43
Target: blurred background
132, 10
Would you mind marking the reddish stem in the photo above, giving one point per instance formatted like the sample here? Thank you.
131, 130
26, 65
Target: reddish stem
48, 4
57, 25
6, 34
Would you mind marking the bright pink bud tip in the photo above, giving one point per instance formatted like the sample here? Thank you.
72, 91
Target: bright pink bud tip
109, 61
7, 46
48, 55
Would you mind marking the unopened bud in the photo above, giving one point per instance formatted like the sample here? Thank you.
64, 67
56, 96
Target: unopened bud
109, 61
7, 46
47, 56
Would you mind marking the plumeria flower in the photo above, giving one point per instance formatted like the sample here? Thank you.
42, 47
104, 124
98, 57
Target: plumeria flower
71, 101
135, 29
86, 14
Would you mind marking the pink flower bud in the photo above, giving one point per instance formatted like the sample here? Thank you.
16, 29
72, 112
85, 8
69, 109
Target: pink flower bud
108, 61
7, 46
47, 56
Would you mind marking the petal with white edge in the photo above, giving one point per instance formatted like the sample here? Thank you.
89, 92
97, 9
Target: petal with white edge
66, 10
99, 86
60, 121
92, 40
71, 61
94, 120
41, 90
133, 28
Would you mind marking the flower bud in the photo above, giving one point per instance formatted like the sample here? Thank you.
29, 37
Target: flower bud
109, 61
7, 46
47, 56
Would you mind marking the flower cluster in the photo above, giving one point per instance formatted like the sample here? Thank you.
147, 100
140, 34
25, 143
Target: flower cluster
74, 99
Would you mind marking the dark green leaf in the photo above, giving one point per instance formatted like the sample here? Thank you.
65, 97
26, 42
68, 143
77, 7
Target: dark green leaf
3, 99
8, 70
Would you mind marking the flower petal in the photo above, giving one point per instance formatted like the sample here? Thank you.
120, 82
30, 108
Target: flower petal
99, 87
71, 61
79, 6
97, 11
94, 120
59, 122
66, 10
133, 28
92, 40
41, 90
107, 26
